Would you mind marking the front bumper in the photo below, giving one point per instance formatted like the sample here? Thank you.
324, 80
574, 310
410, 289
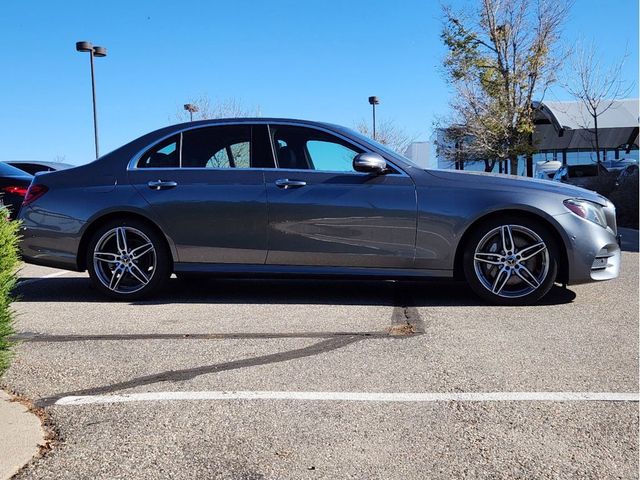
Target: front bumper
593, 252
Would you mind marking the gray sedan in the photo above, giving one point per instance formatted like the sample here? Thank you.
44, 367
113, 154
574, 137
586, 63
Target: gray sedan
273, 197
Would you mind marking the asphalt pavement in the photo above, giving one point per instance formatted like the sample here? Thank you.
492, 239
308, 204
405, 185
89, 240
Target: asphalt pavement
316, 338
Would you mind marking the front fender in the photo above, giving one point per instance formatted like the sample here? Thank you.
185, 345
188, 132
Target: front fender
446, 214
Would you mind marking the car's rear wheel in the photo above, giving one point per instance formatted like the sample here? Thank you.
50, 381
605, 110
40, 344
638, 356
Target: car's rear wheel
511, 261
128, 260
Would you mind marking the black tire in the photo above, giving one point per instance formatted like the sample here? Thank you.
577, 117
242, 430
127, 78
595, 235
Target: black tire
154, 265
507, 277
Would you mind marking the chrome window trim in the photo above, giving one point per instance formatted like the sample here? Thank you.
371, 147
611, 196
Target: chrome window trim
131, 165
263, 169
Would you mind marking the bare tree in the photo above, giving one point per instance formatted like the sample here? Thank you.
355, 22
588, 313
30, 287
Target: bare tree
387, 133
208, 109
598, 87
499, 57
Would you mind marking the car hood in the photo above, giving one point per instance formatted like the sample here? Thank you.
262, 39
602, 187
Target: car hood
496, 181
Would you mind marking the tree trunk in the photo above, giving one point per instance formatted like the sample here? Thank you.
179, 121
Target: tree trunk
529, 158
529, 172
595, 126
488, 165
513, 164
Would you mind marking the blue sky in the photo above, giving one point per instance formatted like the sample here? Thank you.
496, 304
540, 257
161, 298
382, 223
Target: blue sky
304, 59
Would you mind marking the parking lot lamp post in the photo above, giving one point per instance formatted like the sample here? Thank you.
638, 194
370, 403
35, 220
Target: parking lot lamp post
93, 52
373, 101
191, 108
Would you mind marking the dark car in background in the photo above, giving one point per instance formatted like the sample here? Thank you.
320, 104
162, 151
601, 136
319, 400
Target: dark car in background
579, 175
32, 167
14, 184
274, 197
627, 173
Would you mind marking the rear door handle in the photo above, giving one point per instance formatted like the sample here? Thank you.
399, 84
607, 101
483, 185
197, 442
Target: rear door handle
161, 185
286, 183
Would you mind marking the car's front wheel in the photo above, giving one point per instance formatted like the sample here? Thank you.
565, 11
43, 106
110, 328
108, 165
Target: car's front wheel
511, 261
128, 260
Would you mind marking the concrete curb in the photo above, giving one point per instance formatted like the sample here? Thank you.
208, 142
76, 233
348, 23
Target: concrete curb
21, 436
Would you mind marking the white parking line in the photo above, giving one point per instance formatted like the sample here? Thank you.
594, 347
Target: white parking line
357, 397
51, 275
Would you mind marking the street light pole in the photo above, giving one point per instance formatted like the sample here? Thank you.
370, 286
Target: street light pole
95, 112
97, 52
373, 101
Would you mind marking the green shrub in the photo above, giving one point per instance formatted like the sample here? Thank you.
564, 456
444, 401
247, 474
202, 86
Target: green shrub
8, 265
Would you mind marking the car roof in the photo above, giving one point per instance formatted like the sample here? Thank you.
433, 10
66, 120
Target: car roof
298, 121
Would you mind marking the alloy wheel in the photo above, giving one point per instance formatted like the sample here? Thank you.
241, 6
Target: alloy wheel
124, 260
511, 261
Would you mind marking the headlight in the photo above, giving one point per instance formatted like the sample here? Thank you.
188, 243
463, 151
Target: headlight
587, 210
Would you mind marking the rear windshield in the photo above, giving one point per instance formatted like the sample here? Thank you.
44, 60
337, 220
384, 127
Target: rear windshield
11, 171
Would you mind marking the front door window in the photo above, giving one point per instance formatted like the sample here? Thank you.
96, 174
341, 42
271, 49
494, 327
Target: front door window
308, 149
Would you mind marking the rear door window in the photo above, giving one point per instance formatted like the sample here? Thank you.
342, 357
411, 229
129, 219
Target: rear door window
227, 146
164, 155
214, 147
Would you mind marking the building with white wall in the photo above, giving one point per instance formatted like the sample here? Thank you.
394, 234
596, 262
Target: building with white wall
420, 154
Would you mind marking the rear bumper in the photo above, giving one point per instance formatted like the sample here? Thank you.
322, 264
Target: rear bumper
49, 241
593, 252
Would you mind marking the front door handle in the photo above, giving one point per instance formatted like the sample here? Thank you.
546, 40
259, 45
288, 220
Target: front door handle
286, 183
162, 185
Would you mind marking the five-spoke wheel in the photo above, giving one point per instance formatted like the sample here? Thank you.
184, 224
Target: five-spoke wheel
127, 259
511, 262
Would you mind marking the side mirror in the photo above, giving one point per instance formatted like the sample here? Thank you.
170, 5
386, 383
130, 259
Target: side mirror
369, 163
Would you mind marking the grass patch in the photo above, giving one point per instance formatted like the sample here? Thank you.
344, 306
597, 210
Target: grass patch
8, 265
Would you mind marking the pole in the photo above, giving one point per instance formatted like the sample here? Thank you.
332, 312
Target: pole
95, 113
374, 120
190, 116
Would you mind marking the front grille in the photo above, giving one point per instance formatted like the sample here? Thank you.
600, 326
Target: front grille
602, 259
600, 263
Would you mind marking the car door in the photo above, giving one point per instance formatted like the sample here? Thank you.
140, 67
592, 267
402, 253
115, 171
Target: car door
206, 187
323, 213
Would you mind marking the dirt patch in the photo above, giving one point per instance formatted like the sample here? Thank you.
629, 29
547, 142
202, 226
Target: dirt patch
401, 330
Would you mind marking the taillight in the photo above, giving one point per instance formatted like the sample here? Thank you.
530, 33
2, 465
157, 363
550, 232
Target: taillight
22, 191
34, 192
